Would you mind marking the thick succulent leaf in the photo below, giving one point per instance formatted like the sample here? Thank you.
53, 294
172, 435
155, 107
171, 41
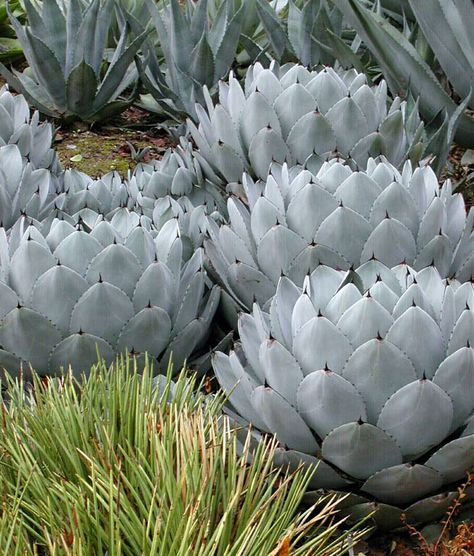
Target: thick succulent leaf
250, 284
116, 265
8, 299
348, 445
378, 369
252, 338
313, 256
324, 282
453, 460
77, 242
346, 232
365, 320
312, 133
257, 114
396, 201
327, 88
29, 261
48, 71
293, 103
156, 287
455, 376
102, 311
148, 331
282, 372
327, 400
349, 124
81, 87
29, 336
308, 208
384, 295
273, 28
80, 352
324, 476
238, 385
319, 344
267, 146
346, 297
412, 329
414, 295
12, 365
283, 420
417, 417
430, 509
189, 303
384, 516
276, 250
438, 252
281, 311
402, 484
463, 333
267, 83
229, 162
358, 192
263, 217
391, 243
55, 294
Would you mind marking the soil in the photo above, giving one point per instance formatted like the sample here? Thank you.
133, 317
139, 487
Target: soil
100, 150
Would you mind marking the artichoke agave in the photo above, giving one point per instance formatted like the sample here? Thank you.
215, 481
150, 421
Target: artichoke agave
66, 293
23, 190
64, 44
292, 115
196, 52
33, 138
369, 374
341, 218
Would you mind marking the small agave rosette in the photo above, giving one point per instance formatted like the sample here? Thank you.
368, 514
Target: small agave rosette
301, 117
368, 375
32, 138
296, 220
67, 294
23, 190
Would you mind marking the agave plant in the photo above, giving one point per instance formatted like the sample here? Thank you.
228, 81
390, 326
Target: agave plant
196, 53
290, 114
68, 293
296, 220
370, 375
309, 31
23, 190
64, 45
448, 27
33, 138
181, 172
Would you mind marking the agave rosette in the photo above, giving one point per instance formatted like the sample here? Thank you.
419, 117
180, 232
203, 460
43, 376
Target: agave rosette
32, 137
342, 218
301, 117
24, 189
370, 375
68, 293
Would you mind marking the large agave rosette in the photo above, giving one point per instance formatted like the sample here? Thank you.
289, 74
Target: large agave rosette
301, 117
296, 220
66, 294
370, 375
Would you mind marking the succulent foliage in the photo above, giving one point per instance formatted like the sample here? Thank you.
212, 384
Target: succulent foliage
64, 44
370, 375
289, 114
296, 220
448, 27
67, 294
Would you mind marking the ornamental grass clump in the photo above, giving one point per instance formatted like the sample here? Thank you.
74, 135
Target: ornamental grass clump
120, 464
